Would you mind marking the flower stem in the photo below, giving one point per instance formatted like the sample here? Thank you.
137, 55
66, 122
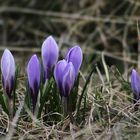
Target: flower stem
66, 109
10, 108
65, 105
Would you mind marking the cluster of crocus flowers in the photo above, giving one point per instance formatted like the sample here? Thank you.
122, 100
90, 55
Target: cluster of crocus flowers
65, 76
49, 54
135, 85
66, 70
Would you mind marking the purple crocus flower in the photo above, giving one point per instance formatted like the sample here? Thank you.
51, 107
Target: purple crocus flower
49, 55
33, 71
75, 56
135, 85
64, 74
8, 71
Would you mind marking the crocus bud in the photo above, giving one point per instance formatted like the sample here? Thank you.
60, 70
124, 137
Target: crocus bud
49, 55
75, 56
64, 74
135, 85
33, 71
8, 71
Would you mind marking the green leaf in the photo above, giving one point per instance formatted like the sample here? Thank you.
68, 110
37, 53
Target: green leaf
83, 92
14, 89
2, 102
73, 95
27, 96
44, 97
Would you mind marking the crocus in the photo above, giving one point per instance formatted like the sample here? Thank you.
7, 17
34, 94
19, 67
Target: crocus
49, 55
75, 56
8, 71
33, 71
64, 74
135, 85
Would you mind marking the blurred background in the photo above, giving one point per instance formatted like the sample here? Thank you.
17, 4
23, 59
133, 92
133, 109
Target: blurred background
100, 27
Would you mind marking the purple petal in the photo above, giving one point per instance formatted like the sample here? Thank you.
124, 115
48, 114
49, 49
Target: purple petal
33, 71
68, 79
58, 72
49, 54
8, 70
135, 83
75, 56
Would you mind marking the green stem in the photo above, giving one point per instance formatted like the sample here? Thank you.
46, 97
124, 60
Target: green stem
10, 108
83, 92
14, 103
65, 105
66, 109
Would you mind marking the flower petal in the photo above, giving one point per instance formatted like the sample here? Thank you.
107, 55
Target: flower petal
58, 72
75, 56
8, 70
135, 83
49, 54
68, 79
7, 65
33, 71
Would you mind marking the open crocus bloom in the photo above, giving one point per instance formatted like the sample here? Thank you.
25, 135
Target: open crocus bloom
49, 55
75, 56
64, 74
33, 71
8, 71
135, 85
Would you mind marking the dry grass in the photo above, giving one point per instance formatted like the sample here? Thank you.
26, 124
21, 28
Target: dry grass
107, 33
